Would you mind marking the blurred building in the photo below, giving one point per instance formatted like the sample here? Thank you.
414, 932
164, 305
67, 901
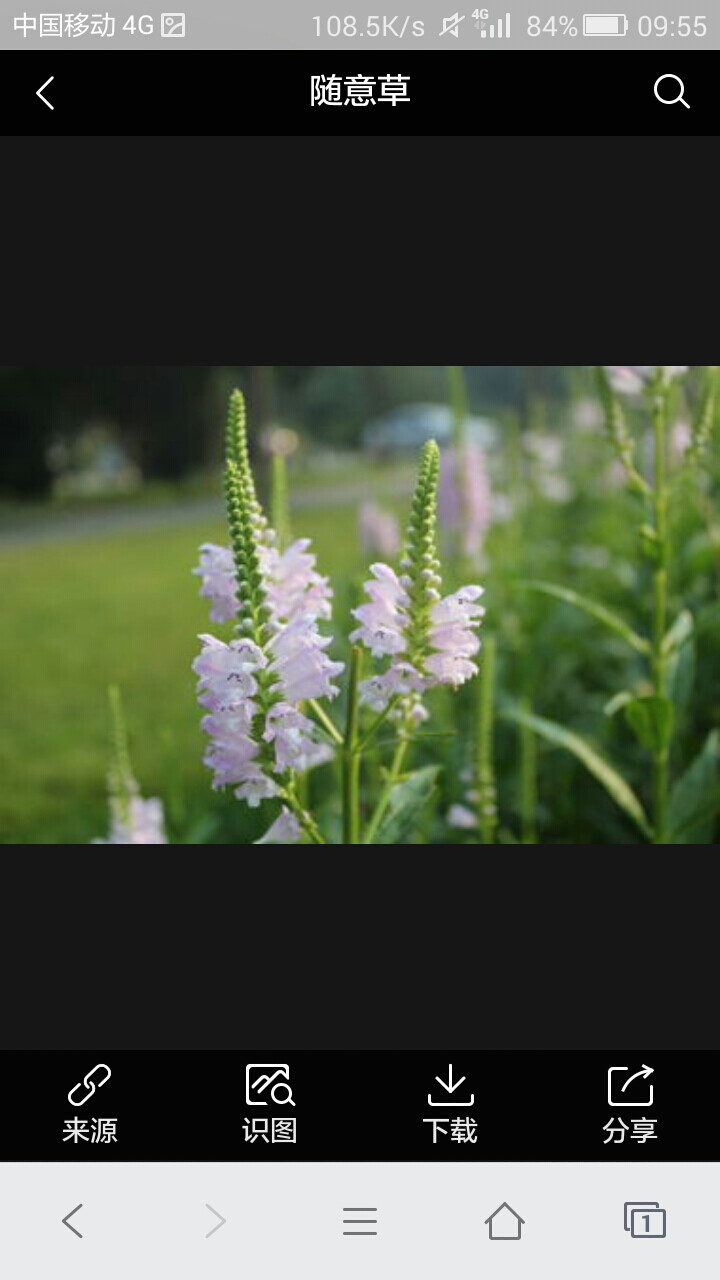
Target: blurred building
407, 428
93, 464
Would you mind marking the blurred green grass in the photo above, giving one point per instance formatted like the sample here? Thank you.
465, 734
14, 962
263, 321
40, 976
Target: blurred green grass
119, 609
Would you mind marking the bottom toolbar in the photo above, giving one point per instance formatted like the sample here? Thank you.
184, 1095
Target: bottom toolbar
271, 1222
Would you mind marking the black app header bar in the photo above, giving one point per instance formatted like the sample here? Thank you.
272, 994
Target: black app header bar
458, 92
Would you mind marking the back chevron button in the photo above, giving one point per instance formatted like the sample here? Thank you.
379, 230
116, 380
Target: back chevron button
68, 1225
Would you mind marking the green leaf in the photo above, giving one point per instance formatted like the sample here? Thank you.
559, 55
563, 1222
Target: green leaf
617, 703
651, 720
701, 552
406, 801
681, 675
705, 416
202, 830
650, 544
709, 618
697, 827
592, 607
603, 772
679, 633
695, 798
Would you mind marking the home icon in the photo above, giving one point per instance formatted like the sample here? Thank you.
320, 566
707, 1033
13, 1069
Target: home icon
505, 1223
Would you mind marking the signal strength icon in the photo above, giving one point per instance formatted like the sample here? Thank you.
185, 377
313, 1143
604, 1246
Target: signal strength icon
497, 30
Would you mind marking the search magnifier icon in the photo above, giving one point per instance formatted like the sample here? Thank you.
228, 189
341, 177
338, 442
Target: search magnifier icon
669, 102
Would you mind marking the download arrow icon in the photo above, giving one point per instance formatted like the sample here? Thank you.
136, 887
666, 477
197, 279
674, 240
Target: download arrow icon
449, 1085
450, 1088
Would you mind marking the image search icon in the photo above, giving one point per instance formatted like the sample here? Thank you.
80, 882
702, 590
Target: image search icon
273, 1081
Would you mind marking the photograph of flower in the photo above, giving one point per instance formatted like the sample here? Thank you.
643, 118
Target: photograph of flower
314, 605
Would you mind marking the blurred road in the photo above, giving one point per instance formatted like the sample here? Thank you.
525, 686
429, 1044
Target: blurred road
69, 527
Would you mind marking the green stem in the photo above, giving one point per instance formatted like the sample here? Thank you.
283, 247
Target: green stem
485, 777
459, 406
457, 389
659, 625
390, 781
351, 756
309, 826
528, 780
302, 784
279, 513
324, 719
122, 782
379, 719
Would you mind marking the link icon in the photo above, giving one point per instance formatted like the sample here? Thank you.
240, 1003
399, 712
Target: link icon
89, 1084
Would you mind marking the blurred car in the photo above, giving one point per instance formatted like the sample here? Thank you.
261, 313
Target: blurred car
407, 428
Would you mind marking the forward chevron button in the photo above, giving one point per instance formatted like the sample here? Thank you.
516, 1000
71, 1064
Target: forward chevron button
220, 1224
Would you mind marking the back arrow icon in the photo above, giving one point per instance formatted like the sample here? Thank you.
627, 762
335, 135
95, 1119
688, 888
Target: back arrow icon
39, 94
220, 1224
77, 1206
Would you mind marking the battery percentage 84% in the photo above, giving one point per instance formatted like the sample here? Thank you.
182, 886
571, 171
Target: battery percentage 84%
553, 26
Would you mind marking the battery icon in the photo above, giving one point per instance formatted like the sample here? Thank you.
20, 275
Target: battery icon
605, 24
